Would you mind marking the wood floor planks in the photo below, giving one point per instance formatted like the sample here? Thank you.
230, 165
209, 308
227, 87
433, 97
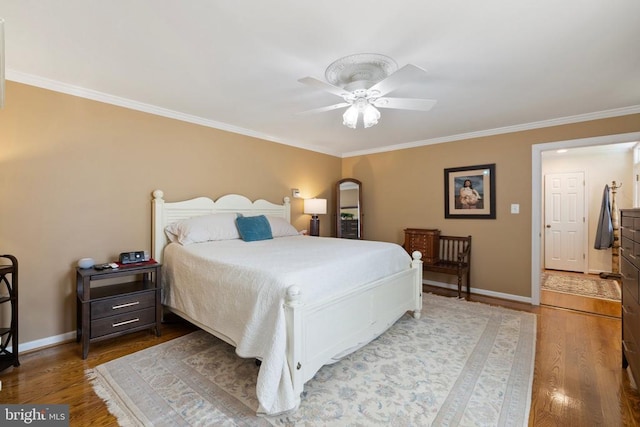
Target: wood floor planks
578, 379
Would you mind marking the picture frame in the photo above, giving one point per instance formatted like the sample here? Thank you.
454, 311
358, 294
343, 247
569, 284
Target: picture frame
470, 192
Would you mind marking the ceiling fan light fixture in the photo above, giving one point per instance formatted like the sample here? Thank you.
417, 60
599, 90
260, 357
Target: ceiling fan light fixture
370, 116
363, 82
350, 117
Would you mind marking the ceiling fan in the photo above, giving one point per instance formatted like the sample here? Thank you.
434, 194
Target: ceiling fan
362, 81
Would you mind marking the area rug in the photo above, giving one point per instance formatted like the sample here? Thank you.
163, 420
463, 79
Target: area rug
588, 286
462, 363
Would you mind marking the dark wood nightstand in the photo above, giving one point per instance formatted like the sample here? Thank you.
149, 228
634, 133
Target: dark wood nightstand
128, 302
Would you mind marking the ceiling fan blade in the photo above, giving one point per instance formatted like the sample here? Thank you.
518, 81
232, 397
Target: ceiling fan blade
319, 84
405, 103
407, 74
323, 109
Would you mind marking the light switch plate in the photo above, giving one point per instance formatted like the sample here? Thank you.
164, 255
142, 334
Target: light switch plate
515, 208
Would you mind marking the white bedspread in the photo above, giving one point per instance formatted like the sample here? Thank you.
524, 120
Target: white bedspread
238, 289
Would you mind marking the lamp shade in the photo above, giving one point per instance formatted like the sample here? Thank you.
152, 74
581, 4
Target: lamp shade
350, 117
315, 206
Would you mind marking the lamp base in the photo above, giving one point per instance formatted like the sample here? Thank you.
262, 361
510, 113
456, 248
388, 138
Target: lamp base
314, 226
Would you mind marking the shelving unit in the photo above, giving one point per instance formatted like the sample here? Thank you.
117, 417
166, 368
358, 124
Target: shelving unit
9, 297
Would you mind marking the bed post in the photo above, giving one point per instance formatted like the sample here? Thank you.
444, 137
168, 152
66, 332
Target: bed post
158, 239
293, 316
416, 263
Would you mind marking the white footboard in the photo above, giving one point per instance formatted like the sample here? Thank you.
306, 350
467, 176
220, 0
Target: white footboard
322, 332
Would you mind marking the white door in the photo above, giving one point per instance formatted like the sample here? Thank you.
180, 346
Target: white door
564, 224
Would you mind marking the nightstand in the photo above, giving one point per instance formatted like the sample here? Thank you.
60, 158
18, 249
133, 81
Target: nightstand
127, 301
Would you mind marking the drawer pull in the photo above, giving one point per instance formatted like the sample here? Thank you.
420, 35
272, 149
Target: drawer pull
129, 304
126, 322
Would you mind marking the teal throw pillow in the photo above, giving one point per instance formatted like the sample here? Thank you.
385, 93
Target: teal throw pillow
252, 228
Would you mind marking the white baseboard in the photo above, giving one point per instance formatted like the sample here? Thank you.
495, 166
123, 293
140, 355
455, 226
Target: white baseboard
484, 292
45, 342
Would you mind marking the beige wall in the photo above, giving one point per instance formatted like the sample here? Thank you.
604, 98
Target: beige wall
405, 188
76, 178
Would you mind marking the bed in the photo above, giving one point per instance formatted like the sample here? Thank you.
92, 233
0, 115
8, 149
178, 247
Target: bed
276, 299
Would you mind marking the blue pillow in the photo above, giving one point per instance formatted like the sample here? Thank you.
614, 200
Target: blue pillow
252, 228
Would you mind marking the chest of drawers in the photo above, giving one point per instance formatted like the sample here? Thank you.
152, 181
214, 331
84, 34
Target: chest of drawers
630, 272
424, 240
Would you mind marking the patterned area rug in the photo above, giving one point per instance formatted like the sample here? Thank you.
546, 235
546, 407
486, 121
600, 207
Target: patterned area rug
588, 286
462, 363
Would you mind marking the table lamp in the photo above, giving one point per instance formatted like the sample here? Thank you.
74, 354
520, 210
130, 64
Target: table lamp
315, 207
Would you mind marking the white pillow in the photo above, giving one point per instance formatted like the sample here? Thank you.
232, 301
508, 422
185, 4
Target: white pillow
203, 228
280, 227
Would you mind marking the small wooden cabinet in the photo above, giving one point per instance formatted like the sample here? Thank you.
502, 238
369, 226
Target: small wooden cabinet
427, 241
630, 272
9, 299
128, 301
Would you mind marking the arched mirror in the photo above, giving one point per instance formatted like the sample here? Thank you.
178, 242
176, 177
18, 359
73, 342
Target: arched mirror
349, 209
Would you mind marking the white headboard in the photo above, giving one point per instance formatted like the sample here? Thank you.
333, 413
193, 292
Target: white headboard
163, 213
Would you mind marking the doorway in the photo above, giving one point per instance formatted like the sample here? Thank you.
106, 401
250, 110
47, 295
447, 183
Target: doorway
537, 200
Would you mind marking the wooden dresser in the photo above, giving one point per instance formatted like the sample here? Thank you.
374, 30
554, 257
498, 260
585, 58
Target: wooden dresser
629, 269
424, 240
350, 228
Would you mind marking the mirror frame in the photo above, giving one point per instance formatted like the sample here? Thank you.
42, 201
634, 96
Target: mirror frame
338, 211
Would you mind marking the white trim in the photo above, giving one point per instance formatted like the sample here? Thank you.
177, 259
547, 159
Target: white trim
46, 342
82, 92
536, 194
477, 291
95, 95
633, 109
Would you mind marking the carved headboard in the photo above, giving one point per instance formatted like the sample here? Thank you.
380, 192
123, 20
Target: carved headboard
164, 213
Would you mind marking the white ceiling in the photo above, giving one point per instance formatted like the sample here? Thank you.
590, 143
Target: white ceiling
493, 65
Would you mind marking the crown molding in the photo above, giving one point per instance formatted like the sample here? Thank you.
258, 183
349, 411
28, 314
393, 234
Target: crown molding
617, 112
94, 95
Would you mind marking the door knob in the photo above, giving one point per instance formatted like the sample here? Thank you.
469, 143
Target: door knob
548, 226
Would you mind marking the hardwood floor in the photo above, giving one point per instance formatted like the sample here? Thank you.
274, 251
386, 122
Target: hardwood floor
579, 302
578, 378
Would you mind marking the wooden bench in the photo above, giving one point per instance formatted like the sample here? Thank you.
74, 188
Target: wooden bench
442, 254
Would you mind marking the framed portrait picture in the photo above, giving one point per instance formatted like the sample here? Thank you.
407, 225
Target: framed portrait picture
470, 192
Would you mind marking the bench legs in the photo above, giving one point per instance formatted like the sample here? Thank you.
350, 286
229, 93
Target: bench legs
460, 285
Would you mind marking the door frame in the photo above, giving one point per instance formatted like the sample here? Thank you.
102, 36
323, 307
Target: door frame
536, 194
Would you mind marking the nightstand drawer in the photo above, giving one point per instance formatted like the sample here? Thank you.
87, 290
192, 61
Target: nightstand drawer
123, 322
122, 304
